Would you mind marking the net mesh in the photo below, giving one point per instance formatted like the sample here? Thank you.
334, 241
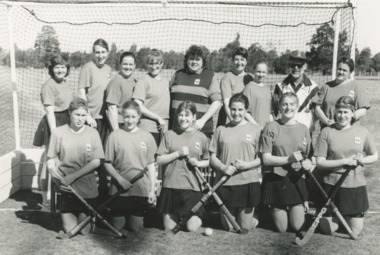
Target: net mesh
268, 30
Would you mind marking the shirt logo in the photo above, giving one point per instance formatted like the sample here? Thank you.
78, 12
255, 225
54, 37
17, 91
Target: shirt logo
88, 147
357, 139
197, 81
351, 93
248, 137
143, 145
197, 145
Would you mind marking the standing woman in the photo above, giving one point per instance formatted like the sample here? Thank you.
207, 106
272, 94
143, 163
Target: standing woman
55, 96
232, 82
341, 86
181, 188
153, 96
234, 149
339, 146
93, 79
283, 144
119, 91
76, 150
129, 150
196, 83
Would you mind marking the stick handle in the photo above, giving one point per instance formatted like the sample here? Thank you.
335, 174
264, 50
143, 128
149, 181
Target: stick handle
75, 230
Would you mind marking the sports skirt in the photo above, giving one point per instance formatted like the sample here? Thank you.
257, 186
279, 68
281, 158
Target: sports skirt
281, 191
42, 135
350, 201
71, 204
179, 201
132, 205
240, 196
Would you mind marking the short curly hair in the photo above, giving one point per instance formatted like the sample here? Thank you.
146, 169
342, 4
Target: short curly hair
194, 51
58, 60
349, 62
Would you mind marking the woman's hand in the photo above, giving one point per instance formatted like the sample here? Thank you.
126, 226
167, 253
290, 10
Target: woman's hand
152, 198
359, 158
351, 161
198, 125
184, 151
240, 164
68, 179
124, 183
194, 162
162, 125
91, 121
229, 170
295, 157
307, 165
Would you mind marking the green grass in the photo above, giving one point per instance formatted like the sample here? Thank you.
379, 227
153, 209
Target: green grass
28, 230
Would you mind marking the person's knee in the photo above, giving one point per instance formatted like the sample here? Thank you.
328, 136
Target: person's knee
327, 226
169, 221
194, 224
135, 223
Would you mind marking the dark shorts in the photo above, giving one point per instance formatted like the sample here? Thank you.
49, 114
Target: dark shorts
240, 196
71, 204
351, 202
42, 135
281, 191
179, 201
135, 206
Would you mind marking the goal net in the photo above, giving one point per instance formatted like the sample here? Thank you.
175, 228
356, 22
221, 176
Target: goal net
269, 30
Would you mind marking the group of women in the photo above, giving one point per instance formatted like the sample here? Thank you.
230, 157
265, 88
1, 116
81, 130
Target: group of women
149, 121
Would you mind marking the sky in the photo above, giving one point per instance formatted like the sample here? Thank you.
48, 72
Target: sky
368, 30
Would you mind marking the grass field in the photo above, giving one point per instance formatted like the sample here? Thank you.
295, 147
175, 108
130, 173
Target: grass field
28, 229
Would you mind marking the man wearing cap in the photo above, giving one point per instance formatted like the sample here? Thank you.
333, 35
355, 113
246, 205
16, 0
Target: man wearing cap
298, 83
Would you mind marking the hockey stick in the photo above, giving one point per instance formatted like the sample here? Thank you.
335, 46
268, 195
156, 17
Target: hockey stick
311, 230
334, 208
224, 209
75, 230
56, 174
198, 205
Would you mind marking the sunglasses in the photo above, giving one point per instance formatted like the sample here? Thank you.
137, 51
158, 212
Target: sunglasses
299, 65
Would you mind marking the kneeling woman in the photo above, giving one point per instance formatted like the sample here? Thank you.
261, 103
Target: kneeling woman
283, 145
128, 151
339, 146
234, 150
79, 151
181, 188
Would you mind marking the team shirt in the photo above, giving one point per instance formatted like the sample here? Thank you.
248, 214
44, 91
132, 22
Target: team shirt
95, 80
177, 175
156, 97
282, 140
231, 84
260, 102
74, 150
56, 94
120, 90
202, 89
305, 92
338, 144
237, 142
130, 153
331, 92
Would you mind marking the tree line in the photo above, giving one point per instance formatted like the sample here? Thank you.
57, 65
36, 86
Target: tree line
319, 56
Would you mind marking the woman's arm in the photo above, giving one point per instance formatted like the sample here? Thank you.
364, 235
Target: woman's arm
245, 165
324, 164
50, 117
369, 159
88, 168
152, 178
218, 165
146, 112
124, 183
360, 113
113, 116
165, 159
226, 102
199, 163
214, 107
322, 116
270, 160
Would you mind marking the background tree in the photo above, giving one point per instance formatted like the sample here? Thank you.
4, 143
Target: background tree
376, 62
364, 61
256, 54
46, 44
322, 47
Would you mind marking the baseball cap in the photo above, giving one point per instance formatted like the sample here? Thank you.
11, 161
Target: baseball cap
298, 56
77, 103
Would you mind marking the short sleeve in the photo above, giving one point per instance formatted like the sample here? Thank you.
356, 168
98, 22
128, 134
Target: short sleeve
110, 148
361, 100
321, 148
53, 146
214, 90
84, 77
98, 152
226, 87
47, 95
247, 92
152, 148
369, 145
267, 139
320, 96
163, 148
140, 90
113, 92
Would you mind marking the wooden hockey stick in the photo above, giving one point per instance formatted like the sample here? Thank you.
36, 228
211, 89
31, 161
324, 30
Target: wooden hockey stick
311, 230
